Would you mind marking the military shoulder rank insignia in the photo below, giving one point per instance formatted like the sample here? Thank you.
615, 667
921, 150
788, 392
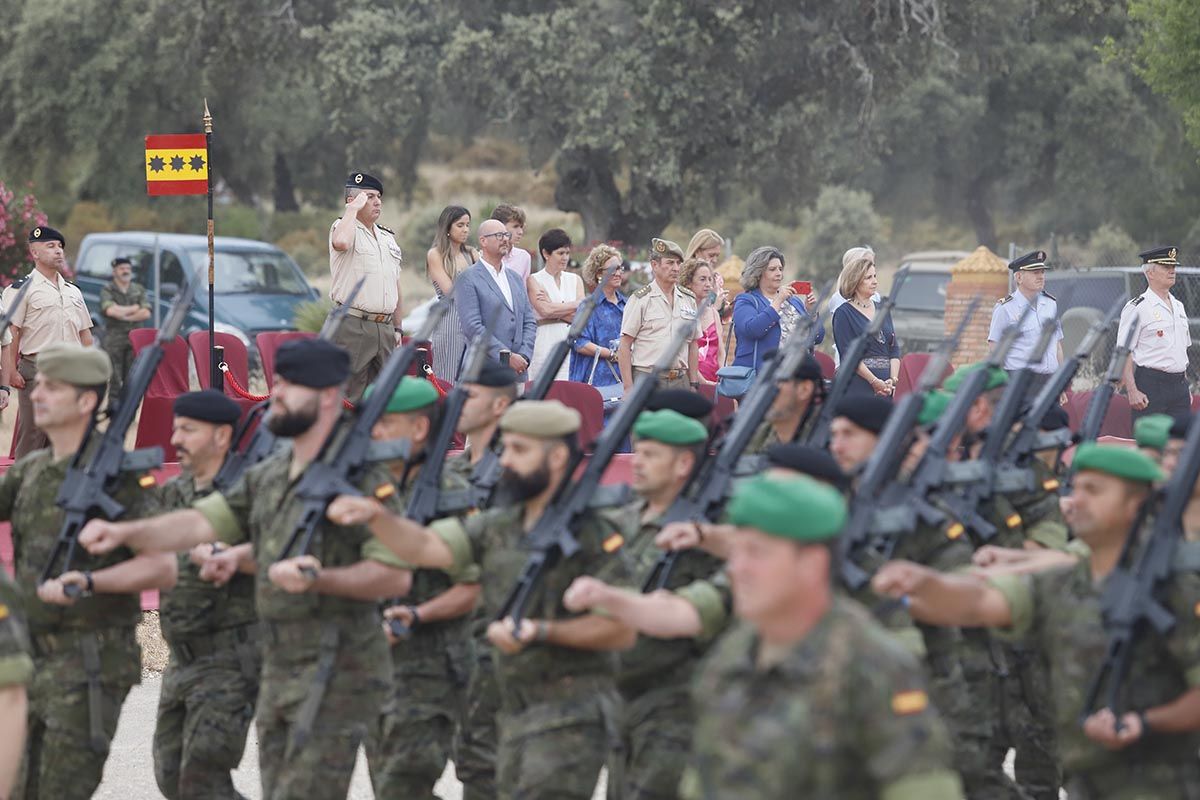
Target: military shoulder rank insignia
1052, 297
911, 702
613, 542
1004, 300
1137, 299
385, 229
642, 292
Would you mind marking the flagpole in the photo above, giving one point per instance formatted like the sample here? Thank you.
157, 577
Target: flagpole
215, 380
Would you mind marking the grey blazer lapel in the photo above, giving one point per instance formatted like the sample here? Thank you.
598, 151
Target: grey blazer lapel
491, 284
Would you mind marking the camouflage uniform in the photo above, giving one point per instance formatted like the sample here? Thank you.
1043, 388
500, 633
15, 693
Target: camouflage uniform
843, 715
412, 739
86, 656
556, 716
653, 678
1060, 611
325, 664
210, 685
16, 667
116, 331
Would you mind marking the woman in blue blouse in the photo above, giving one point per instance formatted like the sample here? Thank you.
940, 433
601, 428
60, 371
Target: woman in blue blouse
603, 330
880, 367
767, 312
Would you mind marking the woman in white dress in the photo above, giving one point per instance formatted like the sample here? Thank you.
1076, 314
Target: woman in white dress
554, 294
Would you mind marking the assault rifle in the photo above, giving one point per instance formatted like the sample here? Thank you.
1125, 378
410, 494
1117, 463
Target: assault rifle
94, 474
1131, 604
705, 495
262, 443
7, 316
1093, 418
551, 538
885, 460
348, 449
848, 367
486, 473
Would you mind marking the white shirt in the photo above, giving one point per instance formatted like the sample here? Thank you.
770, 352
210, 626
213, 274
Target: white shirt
501, 279
1162, 337
1007, 312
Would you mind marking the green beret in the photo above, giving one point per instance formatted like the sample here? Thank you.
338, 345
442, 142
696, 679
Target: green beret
796, 508
670, 427
1153, 430
1120, 462
75, 364
996, 377
411, 394
935, 405
543, 419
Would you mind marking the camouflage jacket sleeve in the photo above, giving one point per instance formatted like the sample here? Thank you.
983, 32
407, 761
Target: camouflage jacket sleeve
10, 484
1041, 513
373, 549
16, 667
106, 299
141, 296
1184, 640
228, 512
713, 601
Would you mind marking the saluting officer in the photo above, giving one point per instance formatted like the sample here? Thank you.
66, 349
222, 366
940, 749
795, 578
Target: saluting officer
1029, 272
360, 247
1154, 374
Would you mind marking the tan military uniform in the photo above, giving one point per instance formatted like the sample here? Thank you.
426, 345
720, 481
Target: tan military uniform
367, 332
651, 320
53, 312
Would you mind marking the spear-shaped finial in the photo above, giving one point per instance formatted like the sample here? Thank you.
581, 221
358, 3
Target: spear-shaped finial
207, 117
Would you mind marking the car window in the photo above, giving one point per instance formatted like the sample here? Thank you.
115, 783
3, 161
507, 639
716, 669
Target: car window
252, 272
923, 291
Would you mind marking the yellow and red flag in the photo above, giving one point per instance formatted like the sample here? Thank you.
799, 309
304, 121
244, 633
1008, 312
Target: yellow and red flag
176, 163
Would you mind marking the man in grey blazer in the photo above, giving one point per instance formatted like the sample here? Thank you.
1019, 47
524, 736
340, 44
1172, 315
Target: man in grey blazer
487, 285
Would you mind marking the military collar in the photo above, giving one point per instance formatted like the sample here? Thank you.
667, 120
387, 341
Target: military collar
58, 283
805, 659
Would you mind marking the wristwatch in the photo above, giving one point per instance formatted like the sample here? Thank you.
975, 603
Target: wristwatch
416, 617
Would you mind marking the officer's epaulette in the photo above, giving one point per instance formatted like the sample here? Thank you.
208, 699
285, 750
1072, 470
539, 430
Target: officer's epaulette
642, 292
1052, 297
687, 292
1137, 299
385, 228
1004, 300
17, 283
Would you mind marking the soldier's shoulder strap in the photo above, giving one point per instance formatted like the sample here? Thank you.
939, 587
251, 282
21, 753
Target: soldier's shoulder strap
1137, 299
687, 292
1004, 300
643, 292
385, 229
1052, 297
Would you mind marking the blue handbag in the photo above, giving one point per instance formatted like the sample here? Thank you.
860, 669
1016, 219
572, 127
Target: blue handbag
734, 382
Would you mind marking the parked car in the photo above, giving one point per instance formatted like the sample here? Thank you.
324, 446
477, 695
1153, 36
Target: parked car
256, 287
920, 313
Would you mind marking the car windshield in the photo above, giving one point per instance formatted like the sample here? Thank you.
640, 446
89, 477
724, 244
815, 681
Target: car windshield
252, 272
923, 291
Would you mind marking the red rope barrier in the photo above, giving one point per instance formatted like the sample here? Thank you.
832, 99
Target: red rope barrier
257, 398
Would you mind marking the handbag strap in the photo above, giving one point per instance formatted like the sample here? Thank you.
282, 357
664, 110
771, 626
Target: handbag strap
729, 350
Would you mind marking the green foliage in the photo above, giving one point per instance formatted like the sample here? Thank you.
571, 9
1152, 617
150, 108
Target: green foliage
758, 233
239, 220
840, 219
86, 218
308, 249
1110, 244
1168, 54
311, 316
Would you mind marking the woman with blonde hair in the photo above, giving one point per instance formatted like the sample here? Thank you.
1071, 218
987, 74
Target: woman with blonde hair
706, 245
879, 369
697, 276
449, 255
594, 358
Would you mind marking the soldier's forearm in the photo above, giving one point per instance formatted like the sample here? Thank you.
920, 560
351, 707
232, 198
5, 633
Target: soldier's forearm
457, 601
413, 543
171, 533
14, 706
661, 614
365, 581
591, 633
1181, 715
140, 573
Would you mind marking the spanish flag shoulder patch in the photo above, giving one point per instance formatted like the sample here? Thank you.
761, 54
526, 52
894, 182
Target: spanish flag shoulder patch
913, 701
384, 490
1013, 520
3, 611
613, 543
955, 531
146, 481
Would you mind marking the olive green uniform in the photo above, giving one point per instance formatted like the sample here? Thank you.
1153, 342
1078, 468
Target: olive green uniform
556, 703
86, 655
412, 739
210, 685
1060, 611
325, 668
116, 331
843, 715
16, 666
654, 678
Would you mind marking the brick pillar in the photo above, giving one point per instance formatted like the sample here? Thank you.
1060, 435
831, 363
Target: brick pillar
985, 274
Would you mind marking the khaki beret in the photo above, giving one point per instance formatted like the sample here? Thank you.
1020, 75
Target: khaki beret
75, 364
542, 419
665, 248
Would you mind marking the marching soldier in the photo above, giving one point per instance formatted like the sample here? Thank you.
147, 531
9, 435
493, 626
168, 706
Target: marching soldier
794, 409
16, 670
854, 430
808, 696
1029, 272
124, 304
85, 651
1152, 753
651, 317
210, 685
556, 680
408, 748
325, 664
359, 247
487, 400
1154, 378
52, 312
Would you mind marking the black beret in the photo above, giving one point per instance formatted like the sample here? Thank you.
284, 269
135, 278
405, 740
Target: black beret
496, 374
1034, 260
689, 403
315, 363
121, 260
361, 180
865, 411
208, 405
1055, 419
811, 461
809, 369
44, 233
1167, 256
1180, 424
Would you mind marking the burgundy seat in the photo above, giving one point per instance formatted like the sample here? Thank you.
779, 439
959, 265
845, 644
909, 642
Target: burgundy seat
827, 365
268, 344
584, 399
723, 407
170, 381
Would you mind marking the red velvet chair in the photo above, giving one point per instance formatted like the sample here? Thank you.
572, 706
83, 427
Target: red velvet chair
269, 343
723, 407
1118, 420
912, 366
827, 365
584, 399
170, 381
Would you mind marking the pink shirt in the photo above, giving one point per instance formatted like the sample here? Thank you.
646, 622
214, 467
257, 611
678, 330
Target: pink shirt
518, 261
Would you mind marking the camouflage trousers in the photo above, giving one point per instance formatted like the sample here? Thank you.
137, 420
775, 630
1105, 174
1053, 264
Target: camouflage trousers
315, 705
1146, 781
411, 741
62, 762
120, 352
475, 739
1027, 725
204, 714
555, 748
655, 730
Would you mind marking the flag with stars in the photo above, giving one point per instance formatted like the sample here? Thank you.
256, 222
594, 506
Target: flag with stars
176, 163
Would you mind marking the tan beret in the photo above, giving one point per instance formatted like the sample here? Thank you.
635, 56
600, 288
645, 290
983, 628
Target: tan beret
665, 248
75, 364
543, 419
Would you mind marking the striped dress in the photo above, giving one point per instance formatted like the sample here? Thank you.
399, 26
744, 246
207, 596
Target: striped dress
447, 343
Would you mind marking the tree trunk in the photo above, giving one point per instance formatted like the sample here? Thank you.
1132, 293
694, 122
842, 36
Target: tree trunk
587, 186
980, 213
285, 188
